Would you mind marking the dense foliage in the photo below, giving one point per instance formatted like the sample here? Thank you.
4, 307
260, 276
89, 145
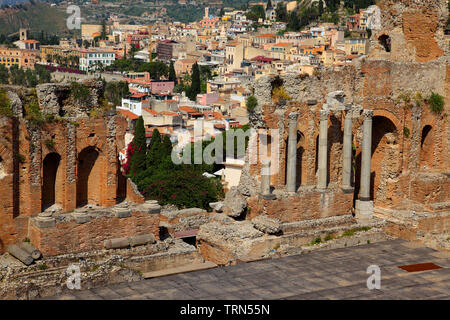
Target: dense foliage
151, 168
322, 10
24, 77
115, 91
252, 102
5, 106
195, 87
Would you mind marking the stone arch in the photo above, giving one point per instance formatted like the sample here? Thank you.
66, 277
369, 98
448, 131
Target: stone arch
385, 41
89, 172
426, 146
52, 181
385, 160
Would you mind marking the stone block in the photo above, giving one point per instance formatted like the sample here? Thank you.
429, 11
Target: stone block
122, 212
364, 211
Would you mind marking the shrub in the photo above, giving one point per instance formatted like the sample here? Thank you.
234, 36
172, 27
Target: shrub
351, 232
5, 104
279, 95
437, 103
252, 102
328, 237
406, 132
80, 93
50, 144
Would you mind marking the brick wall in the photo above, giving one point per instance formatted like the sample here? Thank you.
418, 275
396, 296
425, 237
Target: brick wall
71, 237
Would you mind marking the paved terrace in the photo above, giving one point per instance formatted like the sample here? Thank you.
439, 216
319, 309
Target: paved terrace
328, 274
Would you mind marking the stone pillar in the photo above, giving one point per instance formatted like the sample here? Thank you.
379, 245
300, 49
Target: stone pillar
265, 181
323, 150
364, 206
347, 153
366, 156
291, 172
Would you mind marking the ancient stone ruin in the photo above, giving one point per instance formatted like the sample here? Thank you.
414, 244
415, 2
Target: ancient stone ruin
361, 149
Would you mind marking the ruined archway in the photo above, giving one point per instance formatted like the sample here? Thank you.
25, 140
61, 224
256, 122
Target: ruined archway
426, 147
385, 42
51, 181
385, 161
88, 177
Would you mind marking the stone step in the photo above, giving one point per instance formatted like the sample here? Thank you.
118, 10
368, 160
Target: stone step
183, 269
316, 224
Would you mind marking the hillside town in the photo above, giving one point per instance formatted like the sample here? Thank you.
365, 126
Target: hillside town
228, 50
342, 109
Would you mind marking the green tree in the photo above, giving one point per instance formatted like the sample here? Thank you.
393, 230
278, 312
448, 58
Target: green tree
172, 73
115, 91
155, 150
281, 12
5, 105
103, 34
4, 74
195, 88
157, 69
138, 158
166, 146
252, 102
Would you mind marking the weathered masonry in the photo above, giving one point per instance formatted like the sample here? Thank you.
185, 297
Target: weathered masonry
56, 166
363, 138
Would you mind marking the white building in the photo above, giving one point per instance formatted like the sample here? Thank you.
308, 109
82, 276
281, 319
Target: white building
92, 59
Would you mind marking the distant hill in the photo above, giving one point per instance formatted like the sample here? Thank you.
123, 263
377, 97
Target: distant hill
11, 2
34, 15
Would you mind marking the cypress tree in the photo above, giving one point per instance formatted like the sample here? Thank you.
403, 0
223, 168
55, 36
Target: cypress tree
196, 83
138, 158
172, 73
166, 146
155, 149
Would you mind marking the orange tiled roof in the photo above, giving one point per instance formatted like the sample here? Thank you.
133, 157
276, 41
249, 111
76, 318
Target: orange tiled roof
128, 114
188, 109
153, 112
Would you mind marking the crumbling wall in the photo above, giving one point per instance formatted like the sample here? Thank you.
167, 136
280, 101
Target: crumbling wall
413, 30
396, 86
69, 236
26, 142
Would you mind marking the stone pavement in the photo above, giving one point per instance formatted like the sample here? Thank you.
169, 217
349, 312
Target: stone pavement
329, 274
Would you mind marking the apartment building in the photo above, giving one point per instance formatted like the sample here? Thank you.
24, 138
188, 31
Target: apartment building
19, 57
92, 59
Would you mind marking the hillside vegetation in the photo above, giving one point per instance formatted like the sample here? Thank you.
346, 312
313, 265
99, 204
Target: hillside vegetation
36, 16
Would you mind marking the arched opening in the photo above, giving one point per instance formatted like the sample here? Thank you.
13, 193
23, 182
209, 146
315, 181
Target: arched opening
385, 42
50, 180
2, 169
88, 177
121, 184
384, 156
300, 153
426, 146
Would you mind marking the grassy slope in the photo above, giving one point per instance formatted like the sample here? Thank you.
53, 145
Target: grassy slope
39, 16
